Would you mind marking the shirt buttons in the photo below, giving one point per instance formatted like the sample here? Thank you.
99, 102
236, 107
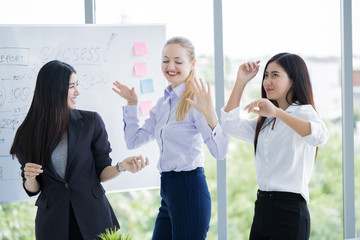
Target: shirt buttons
66, 185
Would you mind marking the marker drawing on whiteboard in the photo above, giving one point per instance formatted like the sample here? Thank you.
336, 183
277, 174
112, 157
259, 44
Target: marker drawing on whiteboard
11, 123
18, 77
14, 56
19, 94
2, 95
109, 43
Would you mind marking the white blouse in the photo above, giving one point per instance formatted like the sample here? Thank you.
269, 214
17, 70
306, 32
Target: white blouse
284, 160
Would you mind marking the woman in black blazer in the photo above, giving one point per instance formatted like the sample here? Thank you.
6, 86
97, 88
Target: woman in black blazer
64, 155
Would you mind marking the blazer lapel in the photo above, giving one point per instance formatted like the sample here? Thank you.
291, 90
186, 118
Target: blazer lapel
74, 134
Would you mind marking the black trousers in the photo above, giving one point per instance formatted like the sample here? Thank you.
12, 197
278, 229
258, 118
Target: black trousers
280, 215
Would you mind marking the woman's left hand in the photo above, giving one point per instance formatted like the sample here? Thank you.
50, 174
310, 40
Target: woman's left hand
135, 163
203, 96
263, 107
204, 102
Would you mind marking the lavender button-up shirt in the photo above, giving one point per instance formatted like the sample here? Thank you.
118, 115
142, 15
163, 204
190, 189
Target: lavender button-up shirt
180, 142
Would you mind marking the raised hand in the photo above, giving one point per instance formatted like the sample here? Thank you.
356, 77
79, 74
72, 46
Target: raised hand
126, 93
263, 107
135, 163
204, 102
203, 96
247, 71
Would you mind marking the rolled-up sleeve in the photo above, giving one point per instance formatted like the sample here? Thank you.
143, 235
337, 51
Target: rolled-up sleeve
100, 145
234, 126
135, 136
319, 133
215, 139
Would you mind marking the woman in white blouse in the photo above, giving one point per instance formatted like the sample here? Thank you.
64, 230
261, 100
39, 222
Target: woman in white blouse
286, 136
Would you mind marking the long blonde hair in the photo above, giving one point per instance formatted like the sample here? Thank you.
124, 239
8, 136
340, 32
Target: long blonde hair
183, 107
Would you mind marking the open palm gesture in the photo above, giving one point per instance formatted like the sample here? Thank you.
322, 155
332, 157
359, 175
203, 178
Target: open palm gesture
203, 96
204, 102
126, 93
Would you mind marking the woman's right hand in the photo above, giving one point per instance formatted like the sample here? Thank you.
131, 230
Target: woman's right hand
125, 92
247, 71
135, 163
32, 170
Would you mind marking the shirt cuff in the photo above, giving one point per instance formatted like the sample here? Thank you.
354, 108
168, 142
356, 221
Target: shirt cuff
217, 131
231, 115
209, 133
130, 111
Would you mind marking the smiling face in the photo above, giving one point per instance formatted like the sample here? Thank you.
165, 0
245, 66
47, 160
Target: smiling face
73, 91
277, 84
176, 64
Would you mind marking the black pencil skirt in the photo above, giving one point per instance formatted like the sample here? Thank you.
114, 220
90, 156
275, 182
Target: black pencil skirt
280, 215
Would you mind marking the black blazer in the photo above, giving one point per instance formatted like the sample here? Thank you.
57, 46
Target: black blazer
88, 155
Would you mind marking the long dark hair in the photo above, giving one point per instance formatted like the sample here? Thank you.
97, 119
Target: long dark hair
48, 117
301, 89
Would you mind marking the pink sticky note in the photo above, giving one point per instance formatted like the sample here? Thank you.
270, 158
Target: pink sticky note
140, 69
145, 107
140, 48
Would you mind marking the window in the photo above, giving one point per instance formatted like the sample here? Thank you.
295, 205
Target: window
41, 12
356, 71
257, 30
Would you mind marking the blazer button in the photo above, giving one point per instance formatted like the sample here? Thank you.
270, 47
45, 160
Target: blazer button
66, 185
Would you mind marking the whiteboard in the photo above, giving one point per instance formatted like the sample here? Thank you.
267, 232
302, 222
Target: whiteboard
100, 54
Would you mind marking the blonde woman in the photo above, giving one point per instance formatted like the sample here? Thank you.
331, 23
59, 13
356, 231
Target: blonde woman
180, 125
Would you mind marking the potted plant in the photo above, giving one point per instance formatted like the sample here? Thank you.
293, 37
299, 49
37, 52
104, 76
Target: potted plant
114, 235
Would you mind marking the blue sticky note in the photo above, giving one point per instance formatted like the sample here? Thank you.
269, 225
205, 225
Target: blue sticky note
147, 85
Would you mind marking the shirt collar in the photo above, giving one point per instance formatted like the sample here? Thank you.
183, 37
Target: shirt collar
177, 91
292, 107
